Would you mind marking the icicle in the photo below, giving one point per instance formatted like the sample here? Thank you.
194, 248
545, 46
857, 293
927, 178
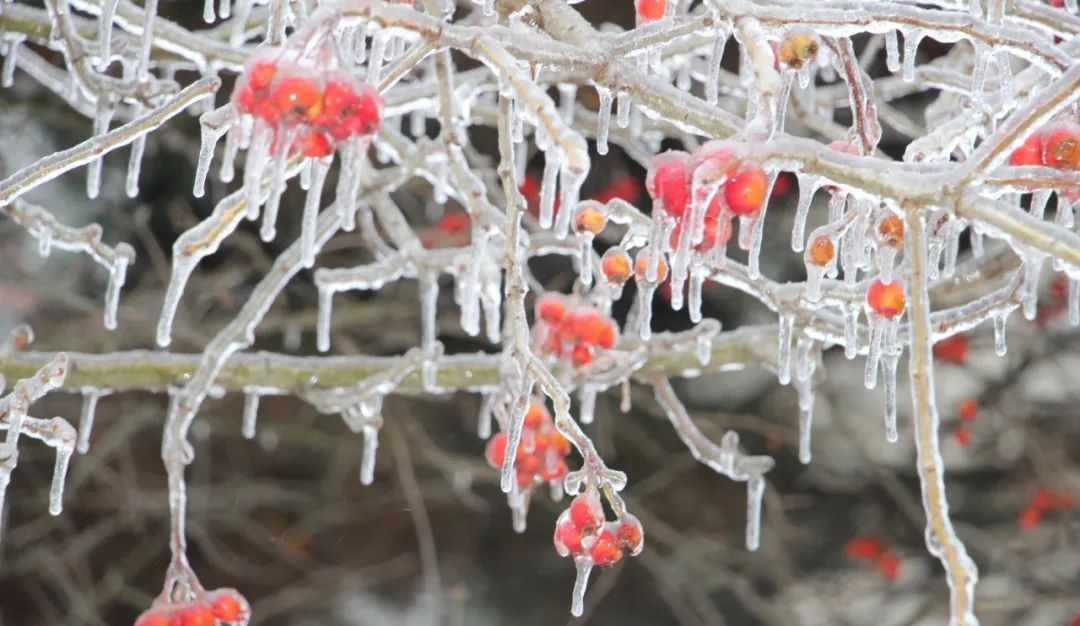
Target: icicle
603, 120
64, 448
807, 186
375, 61
360, 44
851, 328
570, 182
712, 83
999, 334
105, 28
278, 180
232, 147
483, 418
251, 413
367, 457
547, 188
978, 74
514, 427
254, 166
911, 45
1029, 296
7, 75
208, 11
567, 99
517, 121
697, 281
755, 492
45, 242
225, 9
1038, 202
890, 361
311, 210
783, 359
210, 135
587, 399
704, 348
623, 106
146, 39
873, 357
86, 417
117, 276
102, 118
804, 385
584, 568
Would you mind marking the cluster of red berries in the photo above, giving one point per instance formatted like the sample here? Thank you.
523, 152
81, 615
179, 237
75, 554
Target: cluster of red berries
1044, 501
1056, 145
583, 532
742, 191
966, 413
321, 112
541, 455
579, 333
221, 606
886, 299
874, 551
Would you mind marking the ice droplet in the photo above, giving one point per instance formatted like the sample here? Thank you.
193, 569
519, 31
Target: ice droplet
581, 581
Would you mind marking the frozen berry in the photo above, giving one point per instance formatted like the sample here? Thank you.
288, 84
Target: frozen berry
1062, 147
199, 615
968, 410
586, 512
581, 355
641, 266
1029, 153
629, 535
228, 608
886, 299
550, 308
495, 452
797, 48
296, 95
745, 192
589, 220
616, 266
650, 10
605, 550
261, 75
315, 145
890, 231
952, 349
822, 251
668, 182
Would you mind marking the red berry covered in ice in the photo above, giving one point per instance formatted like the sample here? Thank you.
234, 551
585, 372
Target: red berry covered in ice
745, 192
616, 266
1029, 153
605, 550
886, 299
586, 511
228, 608
668, 182
199, 615
495, 452
1062, 146
550, 308
298, 96
650, 10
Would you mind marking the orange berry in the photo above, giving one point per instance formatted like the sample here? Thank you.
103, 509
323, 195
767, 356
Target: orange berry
886, 299
589, 220
607, 336
641, 266
588, 325
1029, 153
745, 192
1063, 147
298, 95
550, 308
891, 231
650, 10
227, 608
605, 550
558, 443
822, 251
495, 452
616, 266
261, 75
536, 415
797, 48
968, 410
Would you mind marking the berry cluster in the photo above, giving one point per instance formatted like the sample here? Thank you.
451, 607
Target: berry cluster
221, 606
577, 334
1044, 501
740, 188
541, 455
873, 550
583, 532
1056, 145
318, 112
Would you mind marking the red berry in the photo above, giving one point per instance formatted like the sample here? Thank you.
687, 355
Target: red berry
339, 99
1063, 147
863, 548
650, 10
367, 113
198, 616
495, 453
1029, 153
152, 619
581, 355
554, 471
568, 538
952, 350
588, 325
1030, 518
550, 308
626, 188
245, 99
962, 435
605, 550
261, 75
968, 410
227, 608
530, 190
264, 108
586, 512
668, 182
888, 564
745, 192
298, 96
316, 145
886, 299
711, 229
629, 535
607, 336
